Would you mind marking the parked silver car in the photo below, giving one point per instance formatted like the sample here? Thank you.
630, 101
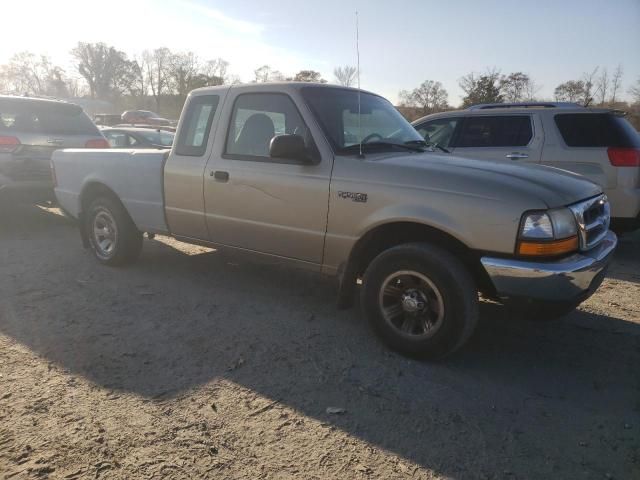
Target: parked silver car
598, 143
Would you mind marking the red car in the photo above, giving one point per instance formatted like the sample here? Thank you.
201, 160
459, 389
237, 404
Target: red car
144, 117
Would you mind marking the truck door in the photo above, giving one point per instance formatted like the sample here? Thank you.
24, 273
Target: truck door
510, 138
259, 203
183, 171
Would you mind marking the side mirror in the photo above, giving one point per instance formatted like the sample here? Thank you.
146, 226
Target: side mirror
291, 147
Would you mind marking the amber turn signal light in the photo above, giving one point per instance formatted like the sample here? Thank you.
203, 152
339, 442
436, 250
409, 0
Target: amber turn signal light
547, 249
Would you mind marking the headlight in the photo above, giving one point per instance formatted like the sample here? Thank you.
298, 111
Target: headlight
549, 233
537, 225
564, 223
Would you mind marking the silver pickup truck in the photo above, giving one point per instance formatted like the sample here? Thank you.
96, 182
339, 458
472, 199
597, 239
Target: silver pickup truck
334, 179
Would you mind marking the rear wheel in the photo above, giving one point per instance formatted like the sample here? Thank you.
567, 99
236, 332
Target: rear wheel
112, 235
420, 300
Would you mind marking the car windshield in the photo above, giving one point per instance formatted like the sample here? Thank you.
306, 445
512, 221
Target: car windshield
159, 137
380, 125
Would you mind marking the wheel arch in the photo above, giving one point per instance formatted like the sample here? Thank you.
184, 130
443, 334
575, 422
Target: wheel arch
391, 234
90, 191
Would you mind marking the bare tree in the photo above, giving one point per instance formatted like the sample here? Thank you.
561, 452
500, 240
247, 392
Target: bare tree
590, 88
266, 74
602, 85
616, 83
430, 96
516, 86
531, 90
216, 71
634, 91
105, 69
5, 82
33, 74
570, 91
139, 86
157, 64
26, 73
183, 69
309, 76
345, 76
483, 88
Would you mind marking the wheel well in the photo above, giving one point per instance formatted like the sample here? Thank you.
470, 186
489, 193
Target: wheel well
93, 191
89, 193
393, 234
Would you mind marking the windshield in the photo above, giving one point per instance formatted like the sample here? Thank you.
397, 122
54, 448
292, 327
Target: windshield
159, 137
380, 123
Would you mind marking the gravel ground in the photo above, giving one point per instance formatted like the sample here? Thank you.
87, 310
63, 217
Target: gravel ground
195, 364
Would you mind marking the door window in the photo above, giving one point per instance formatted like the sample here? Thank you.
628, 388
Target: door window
496, 131
256, 119
438, 131
194, 132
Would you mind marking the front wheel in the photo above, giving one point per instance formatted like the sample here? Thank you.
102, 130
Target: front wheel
420, 300
112, 235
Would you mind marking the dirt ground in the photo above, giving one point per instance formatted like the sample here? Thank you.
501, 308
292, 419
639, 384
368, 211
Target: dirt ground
195, 364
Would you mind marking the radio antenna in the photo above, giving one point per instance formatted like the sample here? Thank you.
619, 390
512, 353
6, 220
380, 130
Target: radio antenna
358, 73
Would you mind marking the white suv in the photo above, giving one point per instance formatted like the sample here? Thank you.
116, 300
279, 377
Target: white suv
595, 142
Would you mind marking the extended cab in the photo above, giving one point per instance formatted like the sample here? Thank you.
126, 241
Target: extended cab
278, 169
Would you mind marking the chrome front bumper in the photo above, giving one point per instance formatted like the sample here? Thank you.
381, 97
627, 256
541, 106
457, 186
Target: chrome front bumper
571, 279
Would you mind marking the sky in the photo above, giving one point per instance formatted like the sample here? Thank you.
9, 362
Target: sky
401, 43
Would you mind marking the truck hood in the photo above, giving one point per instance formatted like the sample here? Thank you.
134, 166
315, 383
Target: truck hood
552, 186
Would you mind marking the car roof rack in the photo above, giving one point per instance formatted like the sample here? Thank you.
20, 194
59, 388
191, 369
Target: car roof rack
489, 106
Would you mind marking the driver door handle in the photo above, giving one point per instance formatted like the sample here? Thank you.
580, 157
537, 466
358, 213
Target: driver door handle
220, 176
516, 156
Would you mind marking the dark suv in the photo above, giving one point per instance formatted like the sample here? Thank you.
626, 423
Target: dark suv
30, 130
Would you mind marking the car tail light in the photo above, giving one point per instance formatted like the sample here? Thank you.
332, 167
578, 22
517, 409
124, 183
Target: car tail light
8, 144
624, 157
97, 143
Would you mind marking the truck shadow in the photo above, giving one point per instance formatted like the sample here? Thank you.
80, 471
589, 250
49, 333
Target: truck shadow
177, 321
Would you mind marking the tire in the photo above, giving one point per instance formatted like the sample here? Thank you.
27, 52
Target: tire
113, 237
436, 294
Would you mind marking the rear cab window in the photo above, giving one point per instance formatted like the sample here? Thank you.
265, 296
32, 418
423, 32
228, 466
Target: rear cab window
596, 130
194, 132
495, 131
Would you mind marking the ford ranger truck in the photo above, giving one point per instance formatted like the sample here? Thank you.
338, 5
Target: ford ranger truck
336, 180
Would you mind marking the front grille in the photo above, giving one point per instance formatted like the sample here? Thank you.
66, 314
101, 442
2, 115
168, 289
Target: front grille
593, 217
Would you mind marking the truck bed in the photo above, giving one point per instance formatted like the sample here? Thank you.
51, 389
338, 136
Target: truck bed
135, 176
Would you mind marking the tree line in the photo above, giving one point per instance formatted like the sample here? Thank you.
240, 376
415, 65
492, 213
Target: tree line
595, 88
161, 79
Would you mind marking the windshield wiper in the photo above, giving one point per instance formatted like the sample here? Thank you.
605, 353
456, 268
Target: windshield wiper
427, 144
405, 146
